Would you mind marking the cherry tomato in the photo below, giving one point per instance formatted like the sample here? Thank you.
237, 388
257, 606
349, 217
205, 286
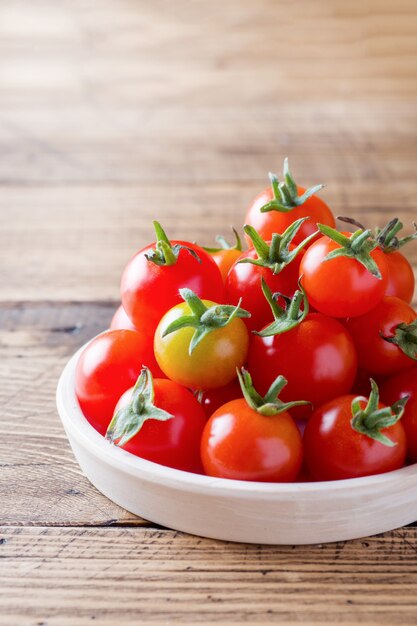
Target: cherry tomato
213, 362
401, 281
173, 442
108, 366
334, 450
317, 357
241, 443
149, 288
212, 399
401, 386
341, 286
121, 321
375, 354
287, 202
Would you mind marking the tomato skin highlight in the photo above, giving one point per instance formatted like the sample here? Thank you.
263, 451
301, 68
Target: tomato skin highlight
276, 222
334, 450
375, 354
213, 399
214, 361
399, 386
121, 321
244, 281
176, 442
241, 444
341, 287
148, 290
108, 366
401, 281
317, 357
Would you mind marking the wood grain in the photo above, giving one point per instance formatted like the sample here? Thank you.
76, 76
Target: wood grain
40, 482
163, 577
112, 114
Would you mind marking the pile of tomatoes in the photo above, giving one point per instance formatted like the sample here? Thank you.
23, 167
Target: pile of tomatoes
294, 359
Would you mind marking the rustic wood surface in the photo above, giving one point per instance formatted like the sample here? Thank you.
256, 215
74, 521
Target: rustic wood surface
113, 112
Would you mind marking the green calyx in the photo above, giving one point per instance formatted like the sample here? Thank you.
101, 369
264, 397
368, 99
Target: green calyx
287, 317
225, 245
387, 238
359, 246
278, 254
204, 319
164, 252
405, 337
128, 421
269, 404
371, 420
286, 195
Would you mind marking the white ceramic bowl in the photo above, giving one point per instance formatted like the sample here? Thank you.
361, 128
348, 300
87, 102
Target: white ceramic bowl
298, 513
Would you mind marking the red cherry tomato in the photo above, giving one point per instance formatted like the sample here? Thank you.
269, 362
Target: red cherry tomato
121, 321
375, 354
400, 386
342, 286
244, 282
149, 290
241, 444
334, 450
212, 399
277, 222
317, 357
174, 442
401, 279
108, 366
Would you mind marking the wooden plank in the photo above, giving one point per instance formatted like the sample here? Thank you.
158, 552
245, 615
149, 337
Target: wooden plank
200, 53
40, 481
169, 144
66, 243
58, 576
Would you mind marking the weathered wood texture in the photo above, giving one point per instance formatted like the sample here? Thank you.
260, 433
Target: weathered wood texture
111, 576
113, 113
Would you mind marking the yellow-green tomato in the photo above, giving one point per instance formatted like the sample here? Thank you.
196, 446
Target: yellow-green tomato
213, 361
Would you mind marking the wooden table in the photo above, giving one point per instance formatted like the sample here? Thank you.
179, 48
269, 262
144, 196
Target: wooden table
114, 112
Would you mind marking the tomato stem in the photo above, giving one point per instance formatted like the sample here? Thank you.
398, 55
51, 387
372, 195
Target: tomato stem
225, 245
371, 420
405, 337
285, 194
279, 253
387, 237
285, 318
269, 404
164, 252
358, 246
128, 421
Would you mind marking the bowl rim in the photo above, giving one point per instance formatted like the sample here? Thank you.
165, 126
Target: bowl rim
77, 427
